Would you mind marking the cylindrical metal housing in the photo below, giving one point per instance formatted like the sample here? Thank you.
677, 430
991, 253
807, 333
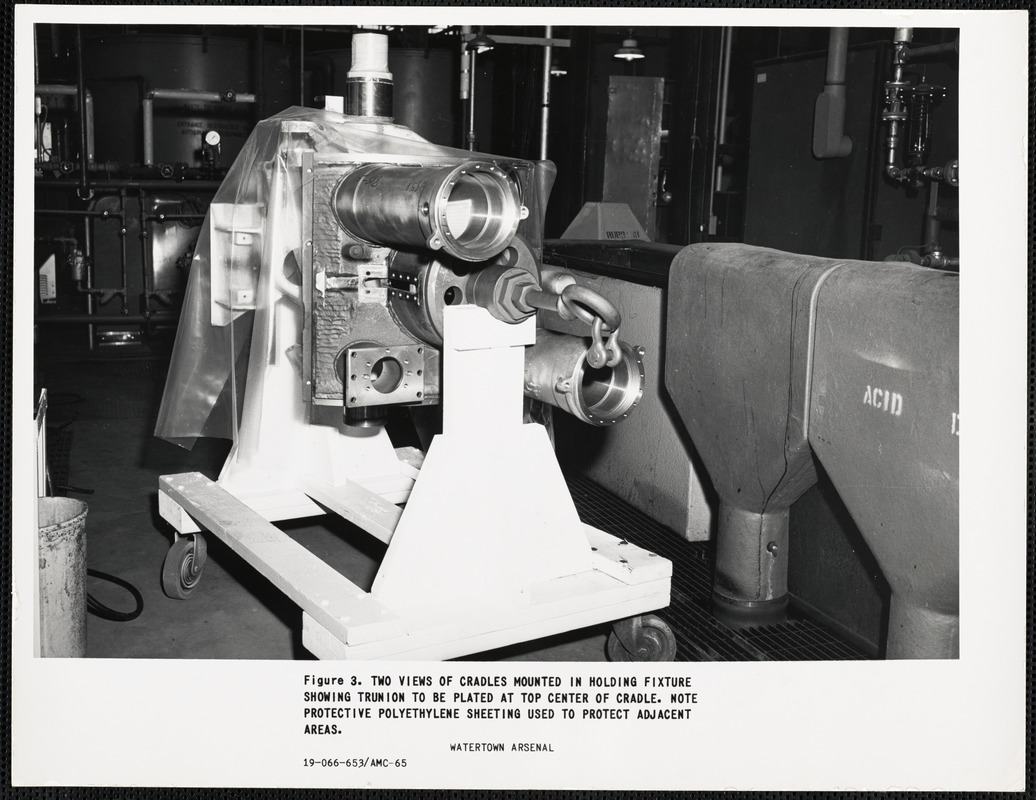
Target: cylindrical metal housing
751, 580
556, 372
368, 97
368, 85
470, 210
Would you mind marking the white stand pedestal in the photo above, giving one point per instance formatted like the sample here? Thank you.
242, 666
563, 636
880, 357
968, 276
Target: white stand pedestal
489, 549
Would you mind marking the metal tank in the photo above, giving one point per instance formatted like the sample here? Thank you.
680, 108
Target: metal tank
122, 70
424, 92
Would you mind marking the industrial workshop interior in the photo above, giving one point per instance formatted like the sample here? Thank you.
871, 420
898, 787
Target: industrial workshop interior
496, 343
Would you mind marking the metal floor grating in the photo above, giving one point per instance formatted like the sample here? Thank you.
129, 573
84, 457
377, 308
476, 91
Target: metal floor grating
699, 635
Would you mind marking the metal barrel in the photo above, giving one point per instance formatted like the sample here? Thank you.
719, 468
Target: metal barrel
62, 577
470, 210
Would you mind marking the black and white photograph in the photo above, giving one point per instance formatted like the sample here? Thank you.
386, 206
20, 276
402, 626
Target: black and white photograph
435, 397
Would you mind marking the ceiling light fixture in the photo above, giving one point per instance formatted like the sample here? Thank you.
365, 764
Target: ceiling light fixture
481, 43
629, 50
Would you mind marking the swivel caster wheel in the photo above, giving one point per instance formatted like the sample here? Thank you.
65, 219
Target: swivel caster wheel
181, 569
643, 638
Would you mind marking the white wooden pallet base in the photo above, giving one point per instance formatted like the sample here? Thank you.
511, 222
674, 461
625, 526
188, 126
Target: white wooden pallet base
341, 621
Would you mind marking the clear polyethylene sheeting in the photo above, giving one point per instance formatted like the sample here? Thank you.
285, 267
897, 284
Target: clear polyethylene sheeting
209, 367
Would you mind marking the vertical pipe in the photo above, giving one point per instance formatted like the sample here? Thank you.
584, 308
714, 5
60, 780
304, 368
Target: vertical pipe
472, 136
147, 106
145, 224
302, 65
465, 75
89, 128
724, 93
724, 44
545, 98
88, 271
895, 110
123, 260
83, 191
837, 54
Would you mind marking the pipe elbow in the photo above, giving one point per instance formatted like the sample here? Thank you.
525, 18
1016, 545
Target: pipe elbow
829, 137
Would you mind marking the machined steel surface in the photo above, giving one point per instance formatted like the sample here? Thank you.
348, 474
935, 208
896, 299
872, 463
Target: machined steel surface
370, 97
556, 372
470, 210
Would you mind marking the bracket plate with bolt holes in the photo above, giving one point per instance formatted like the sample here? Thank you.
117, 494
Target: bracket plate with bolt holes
379, 375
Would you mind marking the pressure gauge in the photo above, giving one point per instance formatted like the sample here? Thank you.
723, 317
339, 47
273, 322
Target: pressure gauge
212, 138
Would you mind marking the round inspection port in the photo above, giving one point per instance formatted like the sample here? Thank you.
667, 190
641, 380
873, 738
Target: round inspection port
386, 375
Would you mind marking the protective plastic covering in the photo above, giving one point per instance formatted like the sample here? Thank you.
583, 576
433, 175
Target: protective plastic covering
205, 386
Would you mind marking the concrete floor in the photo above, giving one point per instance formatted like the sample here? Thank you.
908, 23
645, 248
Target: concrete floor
109, 407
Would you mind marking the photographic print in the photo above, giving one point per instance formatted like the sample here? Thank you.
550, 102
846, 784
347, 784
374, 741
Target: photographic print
423, 397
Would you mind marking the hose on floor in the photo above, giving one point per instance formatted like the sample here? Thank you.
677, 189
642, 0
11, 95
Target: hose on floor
97, 608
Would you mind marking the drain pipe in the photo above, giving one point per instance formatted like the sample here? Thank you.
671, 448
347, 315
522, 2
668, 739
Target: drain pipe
829, 137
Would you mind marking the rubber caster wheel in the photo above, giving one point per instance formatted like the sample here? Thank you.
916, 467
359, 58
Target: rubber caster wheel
181, 569
645, 638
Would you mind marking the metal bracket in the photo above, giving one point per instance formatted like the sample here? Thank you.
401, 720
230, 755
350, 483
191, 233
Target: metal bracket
379, 375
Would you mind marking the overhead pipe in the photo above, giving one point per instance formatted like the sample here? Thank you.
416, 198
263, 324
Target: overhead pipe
935, 49
157, 317
829, 137
115, 183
